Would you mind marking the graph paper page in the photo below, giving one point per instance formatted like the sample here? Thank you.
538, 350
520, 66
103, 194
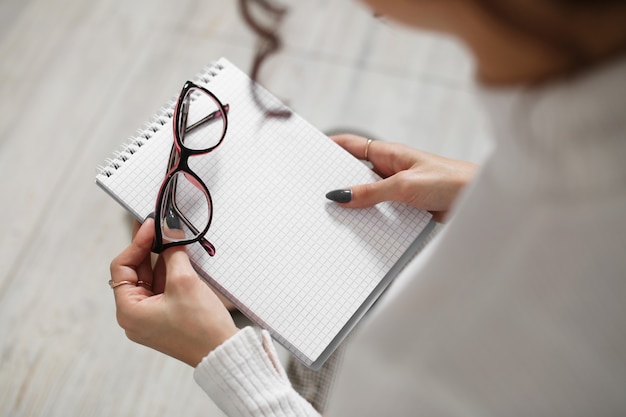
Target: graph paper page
297, 264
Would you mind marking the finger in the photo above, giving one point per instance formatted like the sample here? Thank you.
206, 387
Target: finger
387, 158
368, 195
178, 268
136, 226
136, 252
354, 144
158, 283
133, 264
144, 270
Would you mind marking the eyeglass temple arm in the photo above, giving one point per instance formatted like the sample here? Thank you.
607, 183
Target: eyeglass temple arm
211, 116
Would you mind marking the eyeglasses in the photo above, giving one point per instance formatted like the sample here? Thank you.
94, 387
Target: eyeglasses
184, 207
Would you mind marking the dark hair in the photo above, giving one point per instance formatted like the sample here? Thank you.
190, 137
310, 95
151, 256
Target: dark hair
268, 43
578, 57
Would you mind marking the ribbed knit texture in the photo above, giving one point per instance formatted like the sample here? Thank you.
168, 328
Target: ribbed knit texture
244, 377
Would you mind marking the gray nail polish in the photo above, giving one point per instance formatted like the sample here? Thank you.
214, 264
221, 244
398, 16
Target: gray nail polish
340, 196
172, 220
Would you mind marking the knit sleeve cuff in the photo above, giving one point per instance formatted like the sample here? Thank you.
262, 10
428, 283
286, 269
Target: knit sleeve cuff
244, 377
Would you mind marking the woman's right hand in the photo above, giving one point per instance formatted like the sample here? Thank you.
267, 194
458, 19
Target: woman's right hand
168, 308
421, 179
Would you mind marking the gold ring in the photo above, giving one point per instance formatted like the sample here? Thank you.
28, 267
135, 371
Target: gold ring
367, 148
114, 284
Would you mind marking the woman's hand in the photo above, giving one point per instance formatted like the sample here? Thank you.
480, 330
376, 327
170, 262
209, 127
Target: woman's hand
421, 179
171, 310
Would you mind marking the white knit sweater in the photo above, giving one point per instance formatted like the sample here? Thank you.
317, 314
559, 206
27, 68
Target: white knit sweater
517, 308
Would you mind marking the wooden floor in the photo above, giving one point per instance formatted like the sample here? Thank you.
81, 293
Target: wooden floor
77, 78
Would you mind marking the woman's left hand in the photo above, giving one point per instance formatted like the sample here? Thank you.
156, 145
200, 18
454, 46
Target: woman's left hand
172, 310
421, 179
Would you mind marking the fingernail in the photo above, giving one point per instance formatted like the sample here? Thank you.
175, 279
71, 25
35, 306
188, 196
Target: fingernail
172, 220
340, 196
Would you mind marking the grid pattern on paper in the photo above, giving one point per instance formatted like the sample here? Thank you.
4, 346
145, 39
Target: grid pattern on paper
299, 263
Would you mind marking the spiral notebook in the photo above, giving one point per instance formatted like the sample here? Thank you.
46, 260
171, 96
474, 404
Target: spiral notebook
296, 264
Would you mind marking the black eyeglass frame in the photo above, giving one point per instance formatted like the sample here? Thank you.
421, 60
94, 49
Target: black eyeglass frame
178, 162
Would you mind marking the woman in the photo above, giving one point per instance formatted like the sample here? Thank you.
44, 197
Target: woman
517, 308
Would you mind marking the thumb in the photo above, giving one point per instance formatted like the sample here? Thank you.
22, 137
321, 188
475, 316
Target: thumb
364, 195
178, 269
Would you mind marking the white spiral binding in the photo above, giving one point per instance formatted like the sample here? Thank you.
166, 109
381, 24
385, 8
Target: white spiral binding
160, 119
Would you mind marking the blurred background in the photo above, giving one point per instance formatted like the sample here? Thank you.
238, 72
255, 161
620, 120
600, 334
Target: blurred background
77, 78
